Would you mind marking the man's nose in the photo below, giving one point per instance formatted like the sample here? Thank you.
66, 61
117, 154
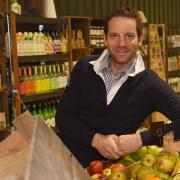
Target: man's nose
122, 41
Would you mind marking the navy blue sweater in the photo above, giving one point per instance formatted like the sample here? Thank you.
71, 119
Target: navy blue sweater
83, 110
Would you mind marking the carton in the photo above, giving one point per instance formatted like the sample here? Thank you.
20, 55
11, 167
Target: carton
35, 152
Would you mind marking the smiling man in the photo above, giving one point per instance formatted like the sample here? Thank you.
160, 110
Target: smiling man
110, 96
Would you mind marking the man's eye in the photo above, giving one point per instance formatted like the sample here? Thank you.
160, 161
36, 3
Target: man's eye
130, 36
113, 35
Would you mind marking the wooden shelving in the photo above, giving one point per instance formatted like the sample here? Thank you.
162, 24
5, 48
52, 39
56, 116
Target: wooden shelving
44, 58
42, 96
175, 73
32, 24
3, 90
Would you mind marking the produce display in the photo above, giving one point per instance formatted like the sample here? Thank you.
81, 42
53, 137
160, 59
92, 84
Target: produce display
148, 163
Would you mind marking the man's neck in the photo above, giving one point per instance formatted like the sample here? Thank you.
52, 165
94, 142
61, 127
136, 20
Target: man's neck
117, 68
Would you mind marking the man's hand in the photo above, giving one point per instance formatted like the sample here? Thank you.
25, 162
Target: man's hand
129, 143
106, 145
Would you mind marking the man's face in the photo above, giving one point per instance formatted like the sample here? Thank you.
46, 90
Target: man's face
122, 41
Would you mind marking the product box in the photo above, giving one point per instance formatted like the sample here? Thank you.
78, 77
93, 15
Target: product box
34, 152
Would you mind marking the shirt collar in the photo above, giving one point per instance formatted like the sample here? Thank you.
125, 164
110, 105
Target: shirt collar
102, 62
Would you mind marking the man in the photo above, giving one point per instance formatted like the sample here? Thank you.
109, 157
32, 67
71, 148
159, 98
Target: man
108, 98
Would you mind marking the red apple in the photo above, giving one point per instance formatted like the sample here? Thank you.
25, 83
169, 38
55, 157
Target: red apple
96, 167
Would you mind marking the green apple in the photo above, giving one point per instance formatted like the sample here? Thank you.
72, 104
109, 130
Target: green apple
136, 156
133, 170
176, 177
127, 160
176, 168
155, 150
175, 154
165, 163
117, 176
96, 176
140, 173
106, 172
162, 175
148, 160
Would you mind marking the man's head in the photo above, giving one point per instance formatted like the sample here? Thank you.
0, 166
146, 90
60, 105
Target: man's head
125, 12
123, 36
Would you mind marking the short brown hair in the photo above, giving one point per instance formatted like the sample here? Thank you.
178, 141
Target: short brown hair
125, 12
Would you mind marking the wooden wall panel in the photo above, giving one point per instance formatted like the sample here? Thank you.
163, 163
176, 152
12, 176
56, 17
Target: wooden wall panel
156, 11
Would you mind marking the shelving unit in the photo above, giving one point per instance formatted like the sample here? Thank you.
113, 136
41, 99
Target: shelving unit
38, 64
96, 36
173, 60
42, 96
78, 38
3, 86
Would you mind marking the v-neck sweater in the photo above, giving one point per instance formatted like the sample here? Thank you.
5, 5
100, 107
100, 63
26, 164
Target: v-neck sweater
83, 110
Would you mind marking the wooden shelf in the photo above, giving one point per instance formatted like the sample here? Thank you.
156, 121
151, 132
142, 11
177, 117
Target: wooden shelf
175, 73
3, 89
42, 96
39, 58
174, 48
80, 48
40, 20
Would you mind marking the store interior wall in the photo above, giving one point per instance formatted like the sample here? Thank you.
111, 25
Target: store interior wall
156, 11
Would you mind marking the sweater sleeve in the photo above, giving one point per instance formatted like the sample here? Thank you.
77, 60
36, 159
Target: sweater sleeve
66, 118
167, 102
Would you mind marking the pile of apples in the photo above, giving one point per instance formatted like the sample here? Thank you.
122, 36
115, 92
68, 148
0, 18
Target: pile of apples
163, 166
148, 163
99, 170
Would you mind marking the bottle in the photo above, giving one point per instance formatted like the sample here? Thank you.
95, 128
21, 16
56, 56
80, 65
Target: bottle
34, 110
46, 79
40, 110
31, 80
64, 49
26, 83
37, 79
51, 77
56, 78
21, 82
59, 82
64, 75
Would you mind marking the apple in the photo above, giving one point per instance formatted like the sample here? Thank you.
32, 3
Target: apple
162, 175
117, 167
141, 171
96, 167
127, 160
133, 169
106, 172
96, 176
148, 160
117, 176
137, 155
176, 177
176, 168
165, 163
151, 176
155, 150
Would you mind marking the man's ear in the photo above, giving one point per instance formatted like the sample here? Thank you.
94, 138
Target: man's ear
140, 40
